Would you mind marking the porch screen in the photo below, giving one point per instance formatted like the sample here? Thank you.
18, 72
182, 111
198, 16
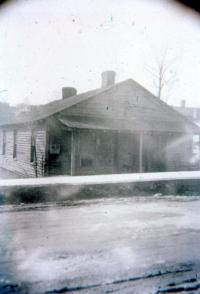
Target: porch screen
87, 149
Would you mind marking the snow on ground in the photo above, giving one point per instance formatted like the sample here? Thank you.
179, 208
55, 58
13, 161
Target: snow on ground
99, 245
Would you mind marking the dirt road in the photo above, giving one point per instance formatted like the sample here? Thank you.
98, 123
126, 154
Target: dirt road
124, 245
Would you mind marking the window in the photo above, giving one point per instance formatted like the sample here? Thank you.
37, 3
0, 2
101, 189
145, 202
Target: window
86, 162
195, 149
33, 150
4, 143
14, 144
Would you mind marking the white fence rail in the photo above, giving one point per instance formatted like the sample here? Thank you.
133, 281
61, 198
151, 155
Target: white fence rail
100, 179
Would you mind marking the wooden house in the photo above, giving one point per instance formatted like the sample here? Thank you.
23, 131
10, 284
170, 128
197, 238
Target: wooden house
118, 128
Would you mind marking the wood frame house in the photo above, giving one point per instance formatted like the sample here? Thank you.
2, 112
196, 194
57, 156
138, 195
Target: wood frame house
118, 128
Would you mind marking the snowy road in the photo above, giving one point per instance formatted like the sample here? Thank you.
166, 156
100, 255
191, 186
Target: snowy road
126, 245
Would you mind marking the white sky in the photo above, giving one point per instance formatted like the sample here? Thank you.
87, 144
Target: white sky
45, 45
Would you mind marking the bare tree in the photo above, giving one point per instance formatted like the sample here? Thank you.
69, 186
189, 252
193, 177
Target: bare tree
163, 75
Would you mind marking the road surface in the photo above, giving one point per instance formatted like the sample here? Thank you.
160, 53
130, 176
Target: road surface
113, 245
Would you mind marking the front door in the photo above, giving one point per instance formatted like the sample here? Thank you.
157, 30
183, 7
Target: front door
59, 159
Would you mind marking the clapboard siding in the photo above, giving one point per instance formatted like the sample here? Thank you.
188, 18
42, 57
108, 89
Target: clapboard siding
21, 165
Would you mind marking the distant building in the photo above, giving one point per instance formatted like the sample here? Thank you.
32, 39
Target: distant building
193, 114
6, 112
118, 128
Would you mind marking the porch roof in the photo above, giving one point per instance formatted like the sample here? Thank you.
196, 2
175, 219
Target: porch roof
126, 125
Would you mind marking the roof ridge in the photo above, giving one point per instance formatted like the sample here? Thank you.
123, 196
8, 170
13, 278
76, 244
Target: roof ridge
101, 89
89, 94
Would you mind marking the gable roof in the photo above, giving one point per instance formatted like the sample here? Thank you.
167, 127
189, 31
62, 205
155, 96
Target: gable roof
170, 118
44, 111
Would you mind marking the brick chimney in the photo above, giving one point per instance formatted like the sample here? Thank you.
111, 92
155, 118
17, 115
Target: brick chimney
107, 78
68, 92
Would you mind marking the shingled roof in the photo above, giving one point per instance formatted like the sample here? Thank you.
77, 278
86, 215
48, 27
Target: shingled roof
49, 109
167, 119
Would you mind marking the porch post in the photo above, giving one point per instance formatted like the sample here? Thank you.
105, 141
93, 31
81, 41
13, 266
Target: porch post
116, 153
141, 153
46, 157
72, 154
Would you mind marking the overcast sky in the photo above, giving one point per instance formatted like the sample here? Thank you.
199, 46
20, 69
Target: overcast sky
45, 45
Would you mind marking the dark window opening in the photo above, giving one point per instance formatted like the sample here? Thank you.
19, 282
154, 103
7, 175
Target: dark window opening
86, 162
14, 144
33, 150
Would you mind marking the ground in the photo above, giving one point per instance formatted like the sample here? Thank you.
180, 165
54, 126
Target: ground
118, 245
